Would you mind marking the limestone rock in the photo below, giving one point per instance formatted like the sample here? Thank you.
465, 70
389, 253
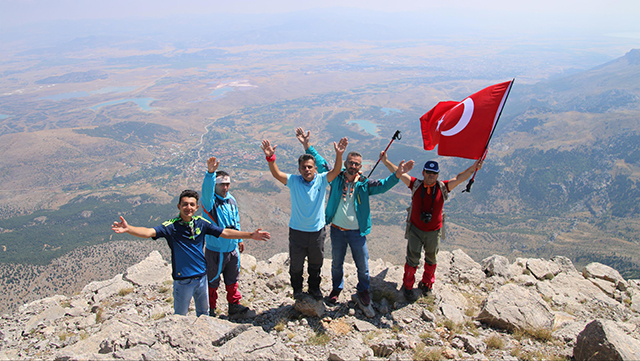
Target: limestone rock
47, 315
496, 265
248, 262
255, 344
152, 270
471, 344
542, 269
103, 289
514, 307
310, 307
353, 349
103, 323
597, 270
603, 340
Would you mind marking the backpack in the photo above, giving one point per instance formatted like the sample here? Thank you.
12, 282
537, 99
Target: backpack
417, 185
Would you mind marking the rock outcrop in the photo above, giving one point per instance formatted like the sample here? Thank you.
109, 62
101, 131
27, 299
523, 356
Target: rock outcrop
495, 309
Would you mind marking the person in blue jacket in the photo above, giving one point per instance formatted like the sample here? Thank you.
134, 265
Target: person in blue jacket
222, 254
185, 237
349, 214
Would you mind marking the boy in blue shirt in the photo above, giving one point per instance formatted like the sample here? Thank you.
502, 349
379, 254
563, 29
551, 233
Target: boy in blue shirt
185, 237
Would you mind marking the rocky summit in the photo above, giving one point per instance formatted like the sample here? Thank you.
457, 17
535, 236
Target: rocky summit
492, 310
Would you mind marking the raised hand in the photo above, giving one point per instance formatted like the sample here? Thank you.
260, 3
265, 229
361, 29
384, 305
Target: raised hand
404, 167
120, 227
304, 139
212, 164
341, 146
383, 156
260, 235
267, 148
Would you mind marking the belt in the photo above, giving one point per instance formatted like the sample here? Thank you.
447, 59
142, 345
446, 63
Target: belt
342, 229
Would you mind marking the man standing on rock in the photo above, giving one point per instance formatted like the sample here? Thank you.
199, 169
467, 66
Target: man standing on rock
349, 214
306, 225
185, 237
222, 255
425, 221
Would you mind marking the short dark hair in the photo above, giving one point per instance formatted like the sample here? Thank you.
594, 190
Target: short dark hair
188, 193
354, 154
222, 173
305, 157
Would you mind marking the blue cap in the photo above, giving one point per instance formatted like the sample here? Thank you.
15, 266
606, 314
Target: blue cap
431, 166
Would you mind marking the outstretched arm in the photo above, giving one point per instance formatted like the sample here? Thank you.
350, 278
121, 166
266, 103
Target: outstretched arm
400, 171
270, 153
124, 227
339, 147
461, 177
258, 234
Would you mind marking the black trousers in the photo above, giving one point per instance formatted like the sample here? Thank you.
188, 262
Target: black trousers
309, 245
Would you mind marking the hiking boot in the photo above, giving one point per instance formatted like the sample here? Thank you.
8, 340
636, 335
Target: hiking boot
333, 297
409, 295
316, 293
297, 294
236, 309
364, 297
212, 313
426, 290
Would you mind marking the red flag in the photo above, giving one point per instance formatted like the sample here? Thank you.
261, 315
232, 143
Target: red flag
462, 129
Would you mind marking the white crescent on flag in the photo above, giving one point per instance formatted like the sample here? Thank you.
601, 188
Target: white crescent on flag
463, 129
467, 113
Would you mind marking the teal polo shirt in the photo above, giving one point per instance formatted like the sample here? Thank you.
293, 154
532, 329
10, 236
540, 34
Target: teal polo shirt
307, 202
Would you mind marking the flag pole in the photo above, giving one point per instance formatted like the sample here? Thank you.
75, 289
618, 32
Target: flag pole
486, 147
397, 136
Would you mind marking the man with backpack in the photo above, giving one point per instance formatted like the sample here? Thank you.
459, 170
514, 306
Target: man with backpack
222, 255
425, 221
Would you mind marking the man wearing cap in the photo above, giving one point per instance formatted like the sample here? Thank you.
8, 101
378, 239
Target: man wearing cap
425, 221
222, 255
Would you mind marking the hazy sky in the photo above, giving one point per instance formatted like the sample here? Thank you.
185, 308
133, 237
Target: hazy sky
620, 15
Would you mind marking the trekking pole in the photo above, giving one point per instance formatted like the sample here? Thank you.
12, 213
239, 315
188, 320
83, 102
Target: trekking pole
397, 136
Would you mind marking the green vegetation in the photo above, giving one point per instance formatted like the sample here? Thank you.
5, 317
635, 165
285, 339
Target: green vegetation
423, 353
319, 338
44, 235
129, 132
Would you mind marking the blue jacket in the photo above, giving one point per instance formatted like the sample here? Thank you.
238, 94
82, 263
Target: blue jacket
222, 212
362, 190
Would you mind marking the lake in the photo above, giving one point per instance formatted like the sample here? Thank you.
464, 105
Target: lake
388, 111
220, 92
367, 126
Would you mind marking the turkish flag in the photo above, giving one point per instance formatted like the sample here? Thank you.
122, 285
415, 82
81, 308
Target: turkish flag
462, 129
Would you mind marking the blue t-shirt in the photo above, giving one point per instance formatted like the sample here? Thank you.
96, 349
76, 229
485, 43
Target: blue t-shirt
307, 202
186, 241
